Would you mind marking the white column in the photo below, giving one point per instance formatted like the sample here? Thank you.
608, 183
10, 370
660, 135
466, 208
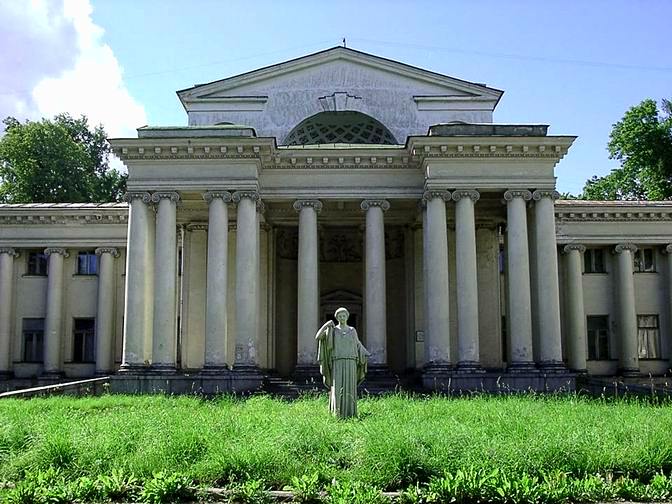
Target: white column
53, 326
668, 253
576, 316
139, 308
105, 311
437, 336
165, 281
216, 285
627, 313
548, 288
467, 280
518, 281
308, 293
7, 256
247, 277
375, 295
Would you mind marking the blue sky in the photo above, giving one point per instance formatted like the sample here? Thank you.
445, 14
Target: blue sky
575, 65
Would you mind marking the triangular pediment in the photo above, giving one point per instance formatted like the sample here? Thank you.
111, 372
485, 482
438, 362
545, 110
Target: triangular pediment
350, 68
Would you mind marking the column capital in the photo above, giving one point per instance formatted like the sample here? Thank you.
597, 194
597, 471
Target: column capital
384, 205
625, 246
107, 250
667, 249
573, 246
511, 194
545, 193
197, 226
430, 194
300, 204
9, 251
56, 250
239, 195
171, 195
472, 194
225, 196
144, 196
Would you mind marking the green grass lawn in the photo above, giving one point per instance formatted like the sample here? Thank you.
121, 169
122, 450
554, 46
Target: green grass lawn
395, 443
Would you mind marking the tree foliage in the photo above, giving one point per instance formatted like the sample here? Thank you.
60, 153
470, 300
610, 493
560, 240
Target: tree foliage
642, 142
57, 161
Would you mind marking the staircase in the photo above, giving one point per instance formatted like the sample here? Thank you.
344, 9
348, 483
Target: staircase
374, 385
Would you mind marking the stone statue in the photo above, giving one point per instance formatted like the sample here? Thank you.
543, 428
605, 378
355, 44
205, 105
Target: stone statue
342, 359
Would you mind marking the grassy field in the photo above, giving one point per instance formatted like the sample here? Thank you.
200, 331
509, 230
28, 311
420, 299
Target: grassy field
396, 443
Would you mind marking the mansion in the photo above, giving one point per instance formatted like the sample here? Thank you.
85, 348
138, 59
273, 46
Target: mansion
337, 179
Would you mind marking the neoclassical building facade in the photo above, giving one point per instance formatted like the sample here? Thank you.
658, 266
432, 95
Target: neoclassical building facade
337, 179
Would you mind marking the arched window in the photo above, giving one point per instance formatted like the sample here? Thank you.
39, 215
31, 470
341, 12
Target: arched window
340, 127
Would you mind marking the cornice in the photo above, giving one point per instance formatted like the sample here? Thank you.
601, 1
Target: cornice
611, 215
546, 147
90, 217
341, 159
192, 148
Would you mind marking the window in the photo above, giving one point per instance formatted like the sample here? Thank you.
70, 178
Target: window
598, 337
644, 260
593, 261
648, 337
33, 339
87, 263
37, 263
84, 332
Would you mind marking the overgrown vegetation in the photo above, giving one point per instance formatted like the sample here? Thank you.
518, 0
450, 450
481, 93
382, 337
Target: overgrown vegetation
506, 450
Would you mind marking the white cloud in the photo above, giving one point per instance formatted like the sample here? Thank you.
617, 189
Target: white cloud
54, 59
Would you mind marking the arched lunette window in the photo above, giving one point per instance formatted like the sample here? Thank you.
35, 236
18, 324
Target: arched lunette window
340, 127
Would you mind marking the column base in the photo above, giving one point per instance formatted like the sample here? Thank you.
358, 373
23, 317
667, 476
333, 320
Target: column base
128, 368
162, 369
552, 367
213, 370
629, 372
522, 367
468, 367
246, 378
51, 375
437, 376
307, 373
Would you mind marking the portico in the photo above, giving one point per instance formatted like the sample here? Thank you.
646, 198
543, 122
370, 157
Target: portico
241, 233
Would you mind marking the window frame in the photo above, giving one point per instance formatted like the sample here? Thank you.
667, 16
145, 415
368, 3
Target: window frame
81, 357
590, 263
37, 341
35, 258
658, 343
596, 355
91, 259
639, 260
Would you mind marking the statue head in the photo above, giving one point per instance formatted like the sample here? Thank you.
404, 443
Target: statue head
342, 315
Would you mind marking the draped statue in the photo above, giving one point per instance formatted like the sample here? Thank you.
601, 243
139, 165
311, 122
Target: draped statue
343, 361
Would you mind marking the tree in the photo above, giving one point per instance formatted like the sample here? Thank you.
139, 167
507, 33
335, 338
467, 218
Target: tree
642, 142
57, 161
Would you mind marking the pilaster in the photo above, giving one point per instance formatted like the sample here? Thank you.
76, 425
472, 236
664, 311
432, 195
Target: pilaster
627, 314
7, 255
53, 330
576, 317
105, 310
